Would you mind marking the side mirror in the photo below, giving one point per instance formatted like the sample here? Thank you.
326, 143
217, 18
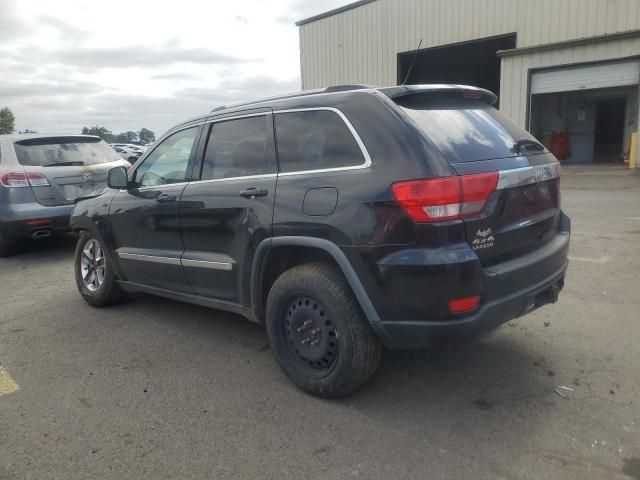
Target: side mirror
117, 178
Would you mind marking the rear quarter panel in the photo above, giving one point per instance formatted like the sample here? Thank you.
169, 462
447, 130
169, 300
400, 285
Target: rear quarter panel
365, 213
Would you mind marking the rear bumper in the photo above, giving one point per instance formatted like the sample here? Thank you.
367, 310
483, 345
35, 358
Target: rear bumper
420, 333
410, 289
15, 220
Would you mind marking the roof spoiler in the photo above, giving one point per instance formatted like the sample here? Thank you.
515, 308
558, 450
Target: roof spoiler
51, 139
467, 91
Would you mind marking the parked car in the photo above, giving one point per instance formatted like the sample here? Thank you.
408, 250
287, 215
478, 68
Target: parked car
131, 147
344, 219
40, 178
130, 156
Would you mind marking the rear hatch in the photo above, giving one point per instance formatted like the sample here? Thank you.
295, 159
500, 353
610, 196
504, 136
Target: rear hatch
74, 166
521, 208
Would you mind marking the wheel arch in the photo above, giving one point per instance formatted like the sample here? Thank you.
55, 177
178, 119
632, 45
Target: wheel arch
266, 268
82, 223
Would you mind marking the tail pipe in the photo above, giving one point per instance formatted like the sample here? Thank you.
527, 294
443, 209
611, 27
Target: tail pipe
39, 234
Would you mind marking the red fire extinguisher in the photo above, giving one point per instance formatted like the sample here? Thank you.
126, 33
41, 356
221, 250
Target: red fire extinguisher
560, 145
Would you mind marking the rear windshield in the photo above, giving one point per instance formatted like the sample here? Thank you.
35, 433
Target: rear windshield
468, 130
43, 152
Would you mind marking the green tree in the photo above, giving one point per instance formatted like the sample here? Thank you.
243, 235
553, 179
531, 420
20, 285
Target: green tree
7, 121
126, 137
147, 136
101, 132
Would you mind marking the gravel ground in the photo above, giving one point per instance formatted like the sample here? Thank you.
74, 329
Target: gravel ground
158, 389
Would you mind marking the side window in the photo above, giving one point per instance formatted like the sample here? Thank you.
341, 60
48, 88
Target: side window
168, 162
313, 140
237, 148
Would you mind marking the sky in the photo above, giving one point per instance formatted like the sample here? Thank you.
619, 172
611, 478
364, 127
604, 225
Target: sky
128, 64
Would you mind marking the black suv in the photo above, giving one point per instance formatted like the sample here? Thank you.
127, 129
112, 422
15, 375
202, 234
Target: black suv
344, 219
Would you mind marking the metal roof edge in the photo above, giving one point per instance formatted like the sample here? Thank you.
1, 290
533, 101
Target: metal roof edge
333, 12
575, 42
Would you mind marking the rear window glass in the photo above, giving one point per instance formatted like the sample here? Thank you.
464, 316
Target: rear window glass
467, 130
313, 140
42, 152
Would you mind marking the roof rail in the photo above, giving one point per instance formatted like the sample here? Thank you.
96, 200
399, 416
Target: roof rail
304, 93
347, 87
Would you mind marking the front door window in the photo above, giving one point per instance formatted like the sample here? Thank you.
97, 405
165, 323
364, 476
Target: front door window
169, 161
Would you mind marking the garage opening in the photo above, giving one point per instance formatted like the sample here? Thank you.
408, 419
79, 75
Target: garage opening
470, 63
596, 125
586, 114
609, 134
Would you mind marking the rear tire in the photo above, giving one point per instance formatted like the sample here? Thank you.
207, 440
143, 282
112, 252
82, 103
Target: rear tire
94, 272
318, 334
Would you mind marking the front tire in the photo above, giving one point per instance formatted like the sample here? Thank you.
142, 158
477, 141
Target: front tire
95, 275
318, 334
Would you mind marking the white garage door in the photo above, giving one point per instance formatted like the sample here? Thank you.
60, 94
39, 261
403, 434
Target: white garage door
586, 78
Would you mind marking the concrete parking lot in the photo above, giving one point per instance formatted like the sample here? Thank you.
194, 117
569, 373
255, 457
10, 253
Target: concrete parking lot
159, 389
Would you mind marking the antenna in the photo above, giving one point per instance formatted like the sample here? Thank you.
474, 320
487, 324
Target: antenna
412, 63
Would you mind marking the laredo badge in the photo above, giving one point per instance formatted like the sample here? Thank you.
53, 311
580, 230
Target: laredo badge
484, 239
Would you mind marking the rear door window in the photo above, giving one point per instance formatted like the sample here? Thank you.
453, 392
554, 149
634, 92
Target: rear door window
315, 140
52, 151
466, 130
238, 148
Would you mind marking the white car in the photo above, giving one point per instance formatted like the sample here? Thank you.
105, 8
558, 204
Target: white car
131, 146
130, 155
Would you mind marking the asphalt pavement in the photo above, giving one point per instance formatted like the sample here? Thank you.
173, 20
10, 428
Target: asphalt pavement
156, 389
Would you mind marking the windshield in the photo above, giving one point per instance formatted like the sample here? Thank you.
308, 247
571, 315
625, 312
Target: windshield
468, 130
40, 152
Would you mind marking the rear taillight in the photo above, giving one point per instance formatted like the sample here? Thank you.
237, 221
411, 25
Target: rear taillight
21, 179
443, 199
464, 305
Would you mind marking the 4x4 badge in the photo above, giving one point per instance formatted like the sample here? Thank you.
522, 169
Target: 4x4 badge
484, 239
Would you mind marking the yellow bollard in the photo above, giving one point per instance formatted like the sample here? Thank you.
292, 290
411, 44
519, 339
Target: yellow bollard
633, 151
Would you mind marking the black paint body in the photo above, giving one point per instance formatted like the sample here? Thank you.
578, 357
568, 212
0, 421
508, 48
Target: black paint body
402, 273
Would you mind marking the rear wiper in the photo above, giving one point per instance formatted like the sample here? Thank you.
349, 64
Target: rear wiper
528, 145
64, 164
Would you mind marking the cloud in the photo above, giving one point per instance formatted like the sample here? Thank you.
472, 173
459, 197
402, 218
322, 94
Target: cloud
232, 91
56, 105
11, 26
66, 30
42, 89
141, 56
49, 89
176, 76
65, 65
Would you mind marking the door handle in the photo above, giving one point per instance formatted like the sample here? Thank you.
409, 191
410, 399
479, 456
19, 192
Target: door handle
254, 192
165, 198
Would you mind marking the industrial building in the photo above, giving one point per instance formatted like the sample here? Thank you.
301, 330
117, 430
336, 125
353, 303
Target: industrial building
568, 66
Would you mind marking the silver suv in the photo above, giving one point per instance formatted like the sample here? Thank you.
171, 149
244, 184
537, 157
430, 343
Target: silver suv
40, 178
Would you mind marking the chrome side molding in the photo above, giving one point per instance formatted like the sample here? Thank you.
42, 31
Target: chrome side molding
148, 258
228, 266
221, 262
